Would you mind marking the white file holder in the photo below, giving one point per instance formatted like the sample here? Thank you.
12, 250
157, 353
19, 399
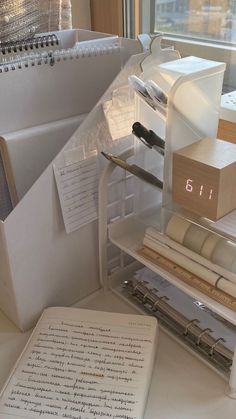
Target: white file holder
41, 265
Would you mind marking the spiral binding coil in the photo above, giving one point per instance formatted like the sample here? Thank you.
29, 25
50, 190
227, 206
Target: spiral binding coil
82, 52
199, 339
28, 60
29, 44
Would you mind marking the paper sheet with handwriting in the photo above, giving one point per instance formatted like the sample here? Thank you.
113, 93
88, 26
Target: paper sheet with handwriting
82, 364
77, 185
119, 113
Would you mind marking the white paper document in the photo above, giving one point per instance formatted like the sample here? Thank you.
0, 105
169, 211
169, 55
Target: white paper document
119, 113
77, 186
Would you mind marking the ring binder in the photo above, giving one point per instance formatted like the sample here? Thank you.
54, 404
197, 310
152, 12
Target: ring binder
197, 338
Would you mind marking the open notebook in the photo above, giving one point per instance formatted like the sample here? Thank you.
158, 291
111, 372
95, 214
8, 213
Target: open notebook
83, 364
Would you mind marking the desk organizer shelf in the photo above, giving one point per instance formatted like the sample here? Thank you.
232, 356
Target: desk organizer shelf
120, 260
193, 87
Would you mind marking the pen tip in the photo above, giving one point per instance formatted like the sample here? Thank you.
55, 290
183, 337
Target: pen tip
107, 155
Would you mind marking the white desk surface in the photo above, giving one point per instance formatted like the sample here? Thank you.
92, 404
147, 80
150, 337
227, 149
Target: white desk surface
182, 386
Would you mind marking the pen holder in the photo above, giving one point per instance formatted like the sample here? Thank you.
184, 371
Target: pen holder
193, 88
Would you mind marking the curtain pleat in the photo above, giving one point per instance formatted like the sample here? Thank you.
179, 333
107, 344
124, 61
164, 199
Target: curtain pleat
22, 19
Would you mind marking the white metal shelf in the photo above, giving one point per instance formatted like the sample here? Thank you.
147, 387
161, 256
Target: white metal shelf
128, 235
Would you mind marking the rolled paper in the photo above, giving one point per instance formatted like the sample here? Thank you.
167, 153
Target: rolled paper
153, 240
182, 260
184, 275
226, 286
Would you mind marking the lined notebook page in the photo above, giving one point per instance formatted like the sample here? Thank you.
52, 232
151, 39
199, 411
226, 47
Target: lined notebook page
82, 364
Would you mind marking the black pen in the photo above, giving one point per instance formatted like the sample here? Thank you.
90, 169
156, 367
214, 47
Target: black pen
148, 137
135, 170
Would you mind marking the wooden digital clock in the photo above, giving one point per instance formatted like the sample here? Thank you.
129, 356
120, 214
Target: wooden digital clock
204, 178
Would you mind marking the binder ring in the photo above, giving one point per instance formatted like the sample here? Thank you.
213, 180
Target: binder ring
136, 286
155, 305
145, 296
203, 332
215, 344
189, 324
164, 298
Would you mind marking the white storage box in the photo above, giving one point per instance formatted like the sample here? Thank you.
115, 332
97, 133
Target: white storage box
40, 263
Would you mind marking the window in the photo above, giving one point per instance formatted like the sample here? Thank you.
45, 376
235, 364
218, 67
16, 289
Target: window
205, 28
204, 19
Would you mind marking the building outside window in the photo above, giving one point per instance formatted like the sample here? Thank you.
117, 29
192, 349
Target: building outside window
205, 19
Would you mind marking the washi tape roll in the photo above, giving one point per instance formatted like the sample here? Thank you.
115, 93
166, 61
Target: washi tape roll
177, 228
224, 254
195, 238
209, 246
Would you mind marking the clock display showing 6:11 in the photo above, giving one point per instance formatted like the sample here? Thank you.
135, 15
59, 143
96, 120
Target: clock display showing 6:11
201, 190
203, 178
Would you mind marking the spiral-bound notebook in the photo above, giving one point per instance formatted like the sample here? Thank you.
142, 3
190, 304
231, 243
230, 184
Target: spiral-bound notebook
40, 87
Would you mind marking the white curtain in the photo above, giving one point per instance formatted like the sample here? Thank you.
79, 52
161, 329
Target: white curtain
22, 19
